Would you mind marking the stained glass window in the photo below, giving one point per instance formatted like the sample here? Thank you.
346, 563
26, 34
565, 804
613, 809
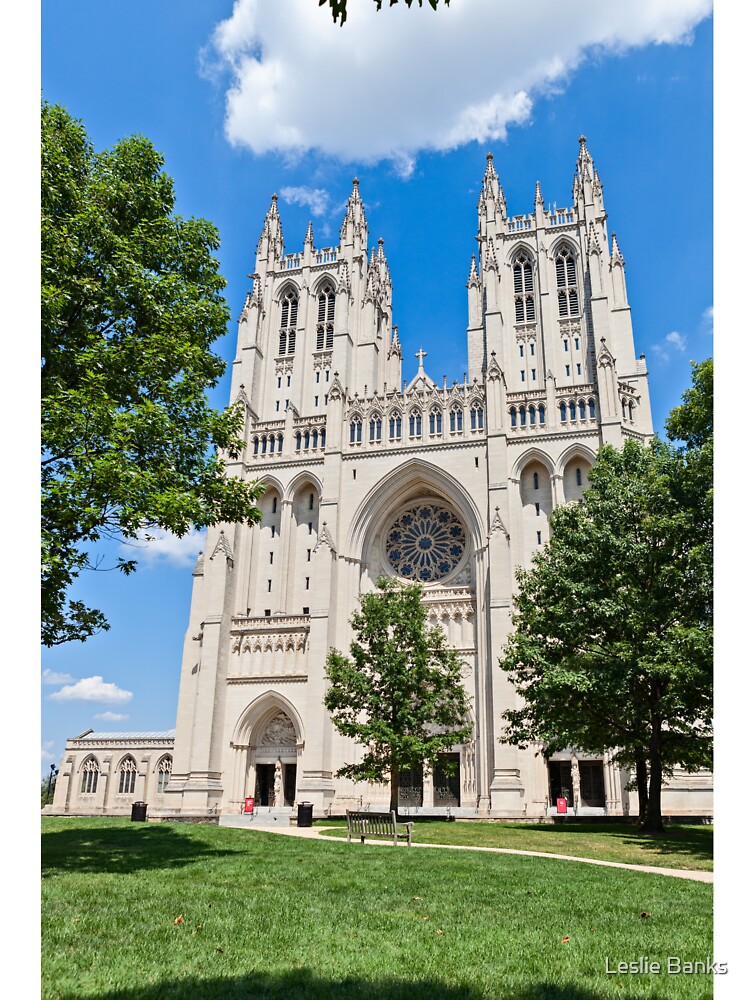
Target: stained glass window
425, 543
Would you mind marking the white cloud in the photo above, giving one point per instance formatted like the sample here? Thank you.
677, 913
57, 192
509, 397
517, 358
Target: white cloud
92, 689
677, 340
666, 348
155, 545
707, 321
392, 83
111, 716
52, 677
47, 756
316, 199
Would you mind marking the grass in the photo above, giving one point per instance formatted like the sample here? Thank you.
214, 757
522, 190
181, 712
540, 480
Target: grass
269, 917
681, 846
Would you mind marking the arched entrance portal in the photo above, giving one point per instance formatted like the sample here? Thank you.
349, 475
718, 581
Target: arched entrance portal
276, 762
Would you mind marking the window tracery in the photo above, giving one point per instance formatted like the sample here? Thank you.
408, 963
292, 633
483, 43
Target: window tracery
425, 543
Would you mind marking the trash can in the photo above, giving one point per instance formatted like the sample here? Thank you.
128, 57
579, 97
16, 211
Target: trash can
304, 813
138, 812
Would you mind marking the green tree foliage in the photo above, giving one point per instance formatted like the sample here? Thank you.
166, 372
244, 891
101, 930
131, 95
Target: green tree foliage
131, 303
400, 695
612, 649
693, 421
338, 7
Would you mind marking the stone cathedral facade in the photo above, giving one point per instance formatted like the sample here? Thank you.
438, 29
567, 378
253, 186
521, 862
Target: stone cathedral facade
367, 474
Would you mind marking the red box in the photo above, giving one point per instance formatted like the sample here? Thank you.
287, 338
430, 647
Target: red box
249, 804
562, 805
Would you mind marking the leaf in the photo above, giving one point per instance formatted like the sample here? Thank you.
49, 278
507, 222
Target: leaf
417, 897
180, 919
220, 950
645, 914
438, 932
565, 939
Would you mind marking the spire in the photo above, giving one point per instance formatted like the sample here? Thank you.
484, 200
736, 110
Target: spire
490, 260
309, 234
587, 186
617, 257
538, 200
395, 347
473, 276
355, 222
271, 242
381, 255
492, 191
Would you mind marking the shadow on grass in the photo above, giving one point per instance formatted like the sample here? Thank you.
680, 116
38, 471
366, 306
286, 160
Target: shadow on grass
302, 984
121, 850
696, 842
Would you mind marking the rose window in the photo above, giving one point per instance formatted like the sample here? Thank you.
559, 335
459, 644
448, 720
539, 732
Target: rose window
425, 543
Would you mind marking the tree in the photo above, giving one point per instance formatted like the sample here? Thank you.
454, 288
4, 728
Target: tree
131, 303
612, 649
338, 7
400, 695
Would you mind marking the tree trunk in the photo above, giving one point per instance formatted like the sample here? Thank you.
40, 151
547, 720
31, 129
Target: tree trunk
653, 822
641, 780
394, 789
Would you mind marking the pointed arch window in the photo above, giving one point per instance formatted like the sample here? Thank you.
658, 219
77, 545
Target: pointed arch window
326, 307
532, 415
592, 409
163, 774
541, 414
523, 288
477, 417
563, 412
457, 419
567, 282
355, 431
89, 776
513, 417
288, 330
522, 414
376, 428
395, 427
582, 409
128, 771
415, 424
436, 421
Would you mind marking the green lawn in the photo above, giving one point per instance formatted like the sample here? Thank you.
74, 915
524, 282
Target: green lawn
681, 846
264, 916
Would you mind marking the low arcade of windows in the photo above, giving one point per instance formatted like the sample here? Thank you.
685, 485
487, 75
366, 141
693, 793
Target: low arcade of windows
310, 439
267, 444
575, 411
530, 415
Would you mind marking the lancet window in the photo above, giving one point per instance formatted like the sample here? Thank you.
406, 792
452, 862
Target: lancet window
163, 774
326, 307
288, 330
523, 289
567, 282
89, 776
128, 772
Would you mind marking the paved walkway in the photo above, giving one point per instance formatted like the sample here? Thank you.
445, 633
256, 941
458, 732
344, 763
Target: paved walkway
316, 833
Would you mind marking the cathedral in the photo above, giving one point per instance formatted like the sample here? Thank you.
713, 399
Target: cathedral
365, 475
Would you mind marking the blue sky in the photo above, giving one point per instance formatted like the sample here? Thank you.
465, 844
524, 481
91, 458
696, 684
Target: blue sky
244, 103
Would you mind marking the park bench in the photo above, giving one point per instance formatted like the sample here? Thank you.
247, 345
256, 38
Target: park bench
367, 824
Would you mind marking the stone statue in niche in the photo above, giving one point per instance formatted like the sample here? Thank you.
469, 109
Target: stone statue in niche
575, 777
278, 799
279, 732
